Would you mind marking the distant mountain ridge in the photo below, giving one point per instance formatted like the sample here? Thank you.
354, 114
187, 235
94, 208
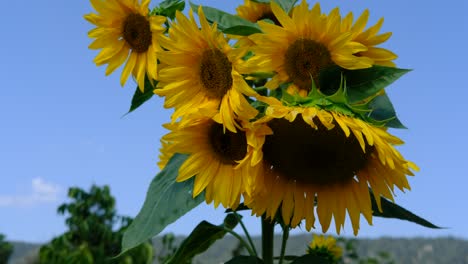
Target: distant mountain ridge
444, 250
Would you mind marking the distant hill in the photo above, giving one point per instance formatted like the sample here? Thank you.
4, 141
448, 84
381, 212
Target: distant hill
447, 250
24, 253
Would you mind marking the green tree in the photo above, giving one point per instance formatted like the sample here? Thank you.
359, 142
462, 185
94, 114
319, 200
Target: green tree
94, 232
6, 249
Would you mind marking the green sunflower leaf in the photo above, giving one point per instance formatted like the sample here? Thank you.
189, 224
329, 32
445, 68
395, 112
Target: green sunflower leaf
241, 30
286, 5
383, 112
201, 238
361, 84
311, 258
392, 210
169, 8
262, 1
165, 202
139, 97
245, 260
228, 22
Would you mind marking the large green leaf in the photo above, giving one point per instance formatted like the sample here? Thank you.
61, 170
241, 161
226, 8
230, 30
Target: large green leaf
383, 111
364, 83
392, 210
228, 23
166, 201
168, 8
201, 238
245, 260
286, 5
241, 30
360, 84
140, 97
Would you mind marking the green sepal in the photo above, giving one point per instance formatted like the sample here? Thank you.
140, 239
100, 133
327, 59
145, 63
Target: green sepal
361, 84
337, 102
168, 8
377, 110
165, 202
245, 260
201, 238
140, 97
226, 22
286, 5
392, 210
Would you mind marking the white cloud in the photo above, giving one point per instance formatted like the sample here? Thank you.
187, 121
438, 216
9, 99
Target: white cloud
41, 192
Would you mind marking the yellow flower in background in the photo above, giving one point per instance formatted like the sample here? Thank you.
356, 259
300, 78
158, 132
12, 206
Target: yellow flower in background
326, 247
201, 72
254, 12
306, 43
325, 158
369, 38
219, 160
126, 32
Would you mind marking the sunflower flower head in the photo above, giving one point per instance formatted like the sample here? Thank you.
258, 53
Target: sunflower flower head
200, 71
306, 43
254, 11
324, 158
126, 32
326, 248
218, 160
369, 38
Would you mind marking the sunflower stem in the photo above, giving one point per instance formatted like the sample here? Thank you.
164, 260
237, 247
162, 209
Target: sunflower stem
283, 243
242, 241
268, 228
249, 238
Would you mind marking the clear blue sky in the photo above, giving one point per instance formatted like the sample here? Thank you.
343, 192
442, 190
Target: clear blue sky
61, 118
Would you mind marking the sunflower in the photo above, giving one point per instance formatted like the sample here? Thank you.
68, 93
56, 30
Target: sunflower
369, 38
254, 12
306, 43
326, 247
200, 72
219, 160
124, 27
328, 159
167, 148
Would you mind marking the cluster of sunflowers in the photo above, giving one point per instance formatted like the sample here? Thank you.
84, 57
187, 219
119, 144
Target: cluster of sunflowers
280, 108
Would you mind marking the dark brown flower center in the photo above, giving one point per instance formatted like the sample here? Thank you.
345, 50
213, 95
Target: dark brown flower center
137, 32
215, 73
229, 147
309, 156
304, 60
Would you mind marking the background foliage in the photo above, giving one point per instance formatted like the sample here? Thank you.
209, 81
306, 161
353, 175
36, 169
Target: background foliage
6, 249
94, 232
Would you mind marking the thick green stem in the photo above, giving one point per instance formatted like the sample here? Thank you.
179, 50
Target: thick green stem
268, 228
283, 243
246, 233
